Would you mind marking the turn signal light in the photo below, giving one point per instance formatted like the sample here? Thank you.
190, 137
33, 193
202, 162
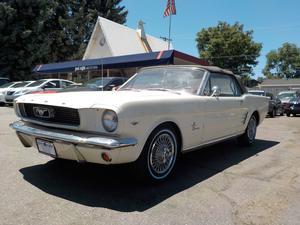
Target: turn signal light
106, 157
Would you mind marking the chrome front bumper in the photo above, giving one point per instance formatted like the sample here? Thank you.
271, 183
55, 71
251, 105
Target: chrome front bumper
72, 137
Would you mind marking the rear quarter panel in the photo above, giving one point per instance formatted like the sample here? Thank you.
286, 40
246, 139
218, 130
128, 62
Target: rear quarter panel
256, 103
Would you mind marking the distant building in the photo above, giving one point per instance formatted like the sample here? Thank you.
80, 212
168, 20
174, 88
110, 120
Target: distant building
117, 50
277, 85
112, 39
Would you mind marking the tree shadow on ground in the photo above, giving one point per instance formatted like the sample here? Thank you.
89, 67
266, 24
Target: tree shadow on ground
116, 188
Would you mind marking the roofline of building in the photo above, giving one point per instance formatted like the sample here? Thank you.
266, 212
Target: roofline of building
190, 58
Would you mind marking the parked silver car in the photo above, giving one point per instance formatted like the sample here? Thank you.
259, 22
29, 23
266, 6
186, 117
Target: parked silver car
40, 85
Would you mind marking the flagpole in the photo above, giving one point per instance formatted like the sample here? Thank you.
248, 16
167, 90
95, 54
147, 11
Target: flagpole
169, 39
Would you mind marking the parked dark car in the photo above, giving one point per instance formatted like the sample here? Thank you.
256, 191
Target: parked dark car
285, 97
294, 108
98, 84
3, 80
275, 106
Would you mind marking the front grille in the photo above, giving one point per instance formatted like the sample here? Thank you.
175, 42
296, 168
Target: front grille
9, 100
50, 114
10, 92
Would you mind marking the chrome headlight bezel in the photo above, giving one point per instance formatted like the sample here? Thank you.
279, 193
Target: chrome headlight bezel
109, 120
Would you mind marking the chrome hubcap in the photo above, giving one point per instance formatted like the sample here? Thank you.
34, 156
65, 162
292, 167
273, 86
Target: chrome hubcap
251, 129
162, 153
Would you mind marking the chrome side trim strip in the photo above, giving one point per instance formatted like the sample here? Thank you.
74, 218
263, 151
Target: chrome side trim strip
212, 142
104, 142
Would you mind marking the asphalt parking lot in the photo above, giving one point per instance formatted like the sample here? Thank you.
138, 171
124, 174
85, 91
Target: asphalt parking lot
222, 184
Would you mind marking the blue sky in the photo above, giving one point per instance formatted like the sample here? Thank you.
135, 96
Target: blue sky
273, 21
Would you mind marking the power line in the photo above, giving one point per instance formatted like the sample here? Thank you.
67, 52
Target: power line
229, 56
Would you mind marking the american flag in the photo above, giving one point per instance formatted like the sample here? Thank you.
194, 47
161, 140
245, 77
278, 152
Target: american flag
170, 9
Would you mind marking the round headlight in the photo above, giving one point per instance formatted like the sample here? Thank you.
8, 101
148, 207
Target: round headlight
110, 120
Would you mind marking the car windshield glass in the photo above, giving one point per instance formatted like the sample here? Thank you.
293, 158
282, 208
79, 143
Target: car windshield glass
37, 83
286, 95
23, 84
295, 99
97, 82
176, 79
257, 93
7, 85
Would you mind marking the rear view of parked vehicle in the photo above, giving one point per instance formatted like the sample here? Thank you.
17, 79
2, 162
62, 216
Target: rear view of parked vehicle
275, 106
285, 97
294, 108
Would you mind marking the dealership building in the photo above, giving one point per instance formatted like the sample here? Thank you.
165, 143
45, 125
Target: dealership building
277, 85
117, 50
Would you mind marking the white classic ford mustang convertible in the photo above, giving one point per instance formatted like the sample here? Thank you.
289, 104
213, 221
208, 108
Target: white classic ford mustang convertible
156, 115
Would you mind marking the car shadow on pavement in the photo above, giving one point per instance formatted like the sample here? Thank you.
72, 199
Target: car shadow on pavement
116, 188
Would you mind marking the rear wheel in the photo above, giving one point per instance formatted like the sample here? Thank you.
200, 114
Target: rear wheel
159, 155
248, 137
288, 114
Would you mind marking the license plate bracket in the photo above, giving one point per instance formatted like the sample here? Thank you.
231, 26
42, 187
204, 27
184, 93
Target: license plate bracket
46, 147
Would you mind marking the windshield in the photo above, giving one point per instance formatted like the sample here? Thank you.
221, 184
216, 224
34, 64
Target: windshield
23, 84
177, 79
97, 82
257, 93
295, 99
37, 83
286, 95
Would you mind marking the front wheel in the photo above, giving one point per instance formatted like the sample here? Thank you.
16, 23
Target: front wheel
159, 155
248, 137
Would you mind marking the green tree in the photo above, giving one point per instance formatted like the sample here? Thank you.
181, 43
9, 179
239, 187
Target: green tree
283, 62
230, 47
73, 21
22, 36
41, 31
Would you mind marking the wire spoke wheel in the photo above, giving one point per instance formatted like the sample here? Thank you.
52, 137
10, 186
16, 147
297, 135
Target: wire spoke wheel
251, 131
162, 154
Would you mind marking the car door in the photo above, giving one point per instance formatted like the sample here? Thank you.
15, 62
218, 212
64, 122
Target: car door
224, 114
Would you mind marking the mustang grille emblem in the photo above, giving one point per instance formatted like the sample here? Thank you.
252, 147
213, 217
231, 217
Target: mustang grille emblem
43, 112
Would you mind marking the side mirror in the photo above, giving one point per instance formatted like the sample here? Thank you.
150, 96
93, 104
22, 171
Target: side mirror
216, 91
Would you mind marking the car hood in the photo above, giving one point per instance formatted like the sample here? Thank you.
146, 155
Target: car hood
98, 99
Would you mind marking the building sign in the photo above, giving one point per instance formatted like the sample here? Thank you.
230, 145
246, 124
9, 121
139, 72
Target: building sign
83, 68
